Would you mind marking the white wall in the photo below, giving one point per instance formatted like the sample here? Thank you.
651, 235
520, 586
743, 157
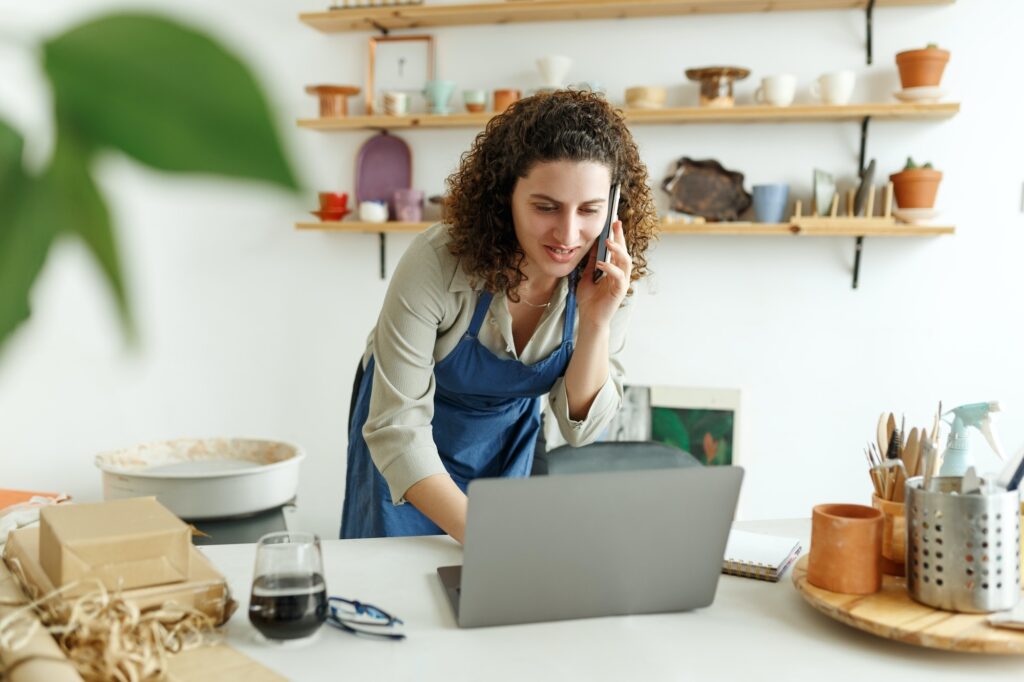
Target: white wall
250, 328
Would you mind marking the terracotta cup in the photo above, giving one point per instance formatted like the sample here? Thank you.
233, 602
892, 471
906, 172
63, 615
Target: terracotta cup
504, 98
894, 535
846, 548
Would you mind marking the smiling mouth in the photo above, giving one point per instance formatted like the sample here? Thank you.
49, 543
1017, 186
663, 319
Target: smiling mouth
561, 255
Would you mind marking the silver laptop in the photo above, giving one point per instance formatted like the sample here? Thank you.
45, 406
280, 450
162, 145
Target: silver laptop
586, 545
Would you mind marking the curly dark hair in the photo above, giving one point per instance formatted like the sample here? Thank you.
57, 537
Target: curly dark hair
565, 125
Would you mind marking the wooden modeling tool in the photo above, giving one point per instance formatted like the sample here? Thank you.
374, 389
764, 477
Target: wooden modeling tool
833, 211
910, 452
883, 437
869, 207
888, 200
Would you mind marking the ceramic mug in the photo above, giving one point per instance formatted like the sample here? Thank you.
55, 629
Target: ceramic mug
835, 87
504, 98
438, 93
373, 211
408, 205
777, 91
770, 203
396, 103
475, 100
846, 549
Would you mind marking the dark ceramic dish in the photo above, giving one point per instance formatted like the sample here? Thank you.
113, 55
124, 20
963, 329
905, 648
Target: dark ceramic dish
704, 188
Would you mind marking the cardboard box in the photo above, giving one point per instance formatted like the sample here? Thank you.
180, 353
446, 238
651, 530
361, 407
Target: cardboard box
205, 590
125, 544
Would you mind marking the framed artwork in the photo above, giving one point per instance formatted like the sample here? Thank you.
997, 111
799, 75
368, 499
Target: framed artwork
701, 421
398, 64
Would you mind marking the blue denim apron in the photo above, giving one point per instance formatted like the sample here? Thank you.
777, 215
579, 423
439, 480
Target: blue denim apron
486, 419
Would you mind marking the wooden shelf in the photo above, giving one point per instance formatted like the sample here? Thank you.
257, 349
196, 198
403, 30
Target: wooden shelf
742, 229
524, 11
678, 115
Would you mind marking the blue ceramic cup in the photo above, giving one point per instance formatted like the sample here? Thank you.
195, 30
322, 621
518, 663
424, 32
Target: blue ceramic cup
770, 203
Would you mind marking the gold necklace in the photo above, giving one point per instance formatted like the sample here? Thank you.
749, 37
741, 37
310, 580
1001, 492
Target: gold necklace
535, 305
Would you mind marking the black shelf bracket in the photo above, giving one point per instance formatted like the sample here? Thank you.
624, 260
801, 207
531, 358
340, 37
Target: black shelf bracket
385, 30
869, 12
383, 241
859, 245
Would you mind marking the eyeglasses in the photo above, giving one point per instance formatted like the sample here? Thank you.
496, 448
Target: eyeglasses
362, 619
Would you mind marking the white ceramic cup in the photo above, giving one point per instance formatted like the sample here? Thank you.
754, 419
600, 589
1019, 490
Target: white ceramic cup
835, 87
373, 212
553, 70
777, 90
396, 103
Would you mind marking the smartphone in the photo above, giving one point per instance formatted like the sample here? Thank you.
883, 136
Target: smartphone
606, 233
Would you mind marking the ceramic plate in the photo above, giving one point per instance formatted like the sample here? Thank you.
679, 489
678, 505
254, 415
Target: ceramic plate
915, 215
922, 94
384, 164
704, 188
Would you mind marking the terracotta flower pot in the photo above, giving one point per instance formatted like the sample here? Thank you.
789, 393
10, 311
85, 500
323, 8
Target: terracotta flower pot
846, 549
921, 67
916, 187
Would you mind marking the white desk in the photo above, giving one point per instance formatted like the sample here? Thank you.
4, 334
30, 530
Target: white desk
754, 630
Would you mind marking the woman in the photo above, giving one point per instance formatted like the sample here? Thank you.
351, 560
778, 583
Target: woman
494, 308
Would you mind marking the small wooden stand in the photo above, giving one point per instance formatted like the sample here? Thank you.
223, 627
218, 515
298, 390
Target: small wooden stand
833, 221
891, 613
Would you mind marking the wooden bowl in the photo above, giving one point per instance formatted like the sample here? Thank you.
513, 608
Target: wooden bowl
646, 97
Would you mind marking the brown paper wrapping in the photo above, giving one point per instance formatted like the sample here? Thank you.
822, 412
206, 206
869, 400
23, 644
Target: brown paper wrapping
205, 590
40, 644
218, 662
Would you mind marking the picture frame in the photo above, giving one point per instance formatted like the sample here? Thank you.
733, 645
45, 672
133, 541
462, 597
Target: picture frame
398, 63
702, 421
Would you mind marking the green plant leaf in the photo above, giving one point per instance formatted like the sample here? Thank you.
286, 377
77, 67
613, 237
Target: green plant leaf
167, 95
27, 229
79, 208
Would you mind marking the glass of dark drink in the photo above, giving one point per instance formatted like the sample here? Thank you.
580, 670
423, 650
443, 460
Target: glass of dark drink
289, 596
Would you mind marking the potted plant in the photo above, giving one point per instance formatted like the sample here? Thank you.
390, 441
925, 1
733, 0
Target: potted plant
916, 186
922, 68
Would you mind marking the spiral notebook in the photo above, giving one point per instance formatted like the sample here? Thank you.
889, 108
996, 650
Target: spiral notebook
762, 557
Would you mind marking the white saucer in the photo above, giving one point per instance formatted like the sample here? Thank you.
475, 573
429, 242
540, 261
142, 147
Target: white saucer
915, 215
927, 93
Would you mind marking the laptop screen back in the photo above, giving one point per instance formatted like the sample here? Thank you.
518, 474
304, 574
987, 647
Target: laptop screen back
599, 544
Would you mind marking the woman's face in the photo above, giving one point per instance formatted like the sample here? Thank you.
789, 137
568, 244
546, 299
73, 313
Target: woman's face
559, 209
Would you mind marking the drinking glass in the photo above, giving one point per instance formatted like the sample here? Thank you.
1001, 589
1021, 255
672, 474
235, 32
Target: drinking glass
289, 595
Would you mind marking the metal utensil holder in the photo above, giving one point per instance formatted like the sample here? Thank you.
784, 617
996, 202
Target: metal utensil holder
963, 551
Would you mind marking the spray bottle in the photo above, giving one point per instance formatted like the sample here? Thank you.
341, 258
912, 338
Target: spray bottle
957, 457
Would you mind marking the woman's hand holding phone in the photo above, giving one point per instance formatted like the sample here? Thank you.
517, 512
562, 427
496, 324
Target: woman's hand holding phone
605, 280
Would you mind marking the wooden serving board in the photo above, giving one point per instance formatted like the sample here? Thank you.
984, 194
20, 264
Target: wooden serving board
891, 613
